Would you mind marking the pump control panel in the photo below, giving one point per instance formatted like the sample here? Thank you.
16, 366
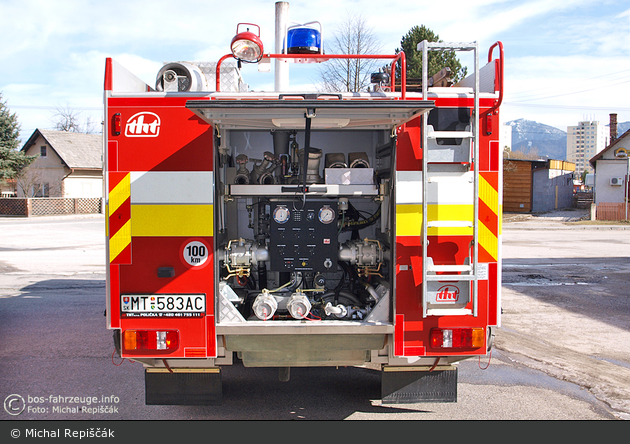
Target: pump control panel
304, 235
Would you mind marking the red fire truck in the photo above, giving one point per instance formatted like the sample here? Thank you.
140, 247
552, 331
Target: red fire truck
282, 229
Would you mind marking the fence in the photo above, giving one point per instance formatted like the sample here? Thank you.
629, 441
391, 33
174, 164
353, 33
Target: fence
49, 206
610, 211
583, 199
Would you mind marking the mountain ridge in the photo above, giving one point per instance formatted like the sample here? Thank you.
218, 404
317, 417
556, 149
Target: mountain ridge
530, 137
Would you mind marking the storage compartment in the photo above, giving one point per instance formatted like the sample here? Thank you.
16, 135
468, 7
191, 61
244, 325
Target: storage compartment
294, 244
290, 255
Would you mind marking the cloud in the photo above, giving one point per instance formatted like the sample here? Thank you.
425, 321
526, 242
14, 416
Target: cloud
23, 88
54, 52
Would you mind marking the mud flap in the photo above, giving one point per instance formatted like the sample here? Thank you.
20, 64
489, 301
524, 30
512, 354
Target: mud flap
408, 386
183, 386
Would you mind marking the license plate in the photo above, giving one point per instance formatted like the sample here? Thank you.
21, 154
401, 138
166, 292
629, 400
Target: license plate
163, 305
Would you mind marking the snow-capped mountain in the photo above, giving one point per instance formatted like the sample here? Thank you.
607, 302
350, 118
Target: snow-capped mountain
544, 140
622, 127
533, 137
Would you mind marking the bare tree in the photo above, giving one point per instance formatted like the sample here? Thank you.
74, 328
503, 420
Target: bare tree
353, 36
521, 155
34, 183
67, 119
31, 183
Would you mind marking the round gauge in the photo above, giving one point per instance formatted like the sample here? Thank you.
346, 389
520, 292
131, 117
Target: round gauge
326, 214
281, 214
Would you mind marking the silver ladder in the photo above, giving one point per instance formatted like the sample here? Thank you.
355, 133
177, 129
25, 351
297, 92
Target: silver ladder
466, 274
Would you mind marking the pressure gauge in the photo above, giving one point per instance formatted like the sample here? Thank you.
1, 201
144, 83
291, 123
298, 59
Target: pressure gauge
326, 214
281, 214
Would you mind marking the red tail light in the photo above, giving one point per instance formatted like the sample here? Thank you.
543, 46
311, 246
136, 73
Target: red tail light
150, 340
116, 124
457, 337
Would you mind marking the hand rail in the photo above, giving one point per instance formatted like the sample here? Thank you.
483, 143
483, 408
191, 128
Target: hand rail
498, 102
323, 57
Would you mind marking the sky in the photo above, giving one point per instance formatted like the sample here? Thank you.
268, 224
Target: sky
566, 61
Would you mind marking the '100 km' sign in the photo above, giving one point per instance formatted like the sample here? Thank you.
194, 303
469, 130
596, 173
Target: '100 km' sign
195, 253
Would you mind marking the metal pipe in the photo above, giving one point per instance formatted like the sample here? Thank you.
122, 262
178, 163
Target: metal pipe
218, 73
476, 187
500, 74
281, 68
425, 174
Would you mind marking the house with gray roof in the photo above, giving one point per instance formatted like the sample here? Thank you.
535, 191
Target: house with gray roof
612, 171
68, 165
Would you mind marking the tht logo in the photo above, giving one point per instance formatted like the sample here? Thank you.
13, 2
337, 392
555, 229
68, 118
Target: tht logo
144, 124
448, 293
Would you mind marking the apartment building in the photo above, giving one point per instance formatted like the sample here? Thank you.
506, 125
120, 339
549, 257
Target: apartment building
583, 142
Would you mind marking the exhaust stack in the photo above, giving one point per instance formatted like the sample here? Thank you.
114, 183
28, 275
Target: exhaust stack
281, 67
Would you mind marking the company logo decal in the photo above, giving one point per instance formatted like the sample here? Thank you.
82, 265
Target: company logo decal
144, 124
448, 293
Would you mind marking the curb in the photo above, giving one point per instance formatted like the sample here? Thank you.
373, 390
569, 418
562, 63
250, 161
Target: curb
507, 226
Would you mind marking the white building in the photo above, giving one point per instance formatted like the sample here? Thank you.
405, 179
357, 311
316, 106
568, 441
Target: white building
612, 168
585, 141
505, 137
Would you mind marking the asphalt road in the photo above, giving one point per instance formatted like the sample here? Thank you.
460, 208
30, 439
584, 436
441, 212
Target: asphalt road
566, 303
56, 354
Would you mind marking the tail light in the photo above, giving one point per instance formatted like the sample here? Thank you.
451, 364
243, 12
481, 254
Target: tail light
150, 340
116, 124
457, 338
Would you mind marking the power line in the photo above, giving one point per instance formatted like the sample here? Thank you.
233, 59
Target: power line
571, 93
539, 90
594, 108
84, 108
544, 132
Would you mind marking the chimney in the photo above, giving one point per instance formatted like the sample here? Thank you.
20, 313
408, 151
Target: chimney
613, 128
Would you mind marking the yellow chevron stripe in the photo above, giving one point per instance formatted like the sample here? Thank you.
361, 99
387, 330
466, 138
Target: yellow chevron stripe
172, 220
409, 219
488, 241
488, 194
119, 194
490, 197
119, 241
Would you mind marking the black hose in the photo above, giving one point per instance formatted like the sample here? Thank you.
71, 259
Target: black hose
359, 224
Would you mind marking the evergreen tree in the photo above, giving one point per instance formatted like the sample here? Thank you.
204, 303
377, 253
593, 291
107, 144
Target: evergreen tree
437, 60
12, 161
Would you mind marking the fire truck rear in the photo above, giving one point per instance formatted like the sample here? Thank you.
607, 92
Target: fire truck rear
285, 230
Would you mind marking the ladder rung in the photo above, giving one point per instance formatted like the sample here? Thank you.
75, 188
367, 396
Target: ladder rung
449, 223
449, 268
450, 277
453, 179
450, 135
454, 46
449, 312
